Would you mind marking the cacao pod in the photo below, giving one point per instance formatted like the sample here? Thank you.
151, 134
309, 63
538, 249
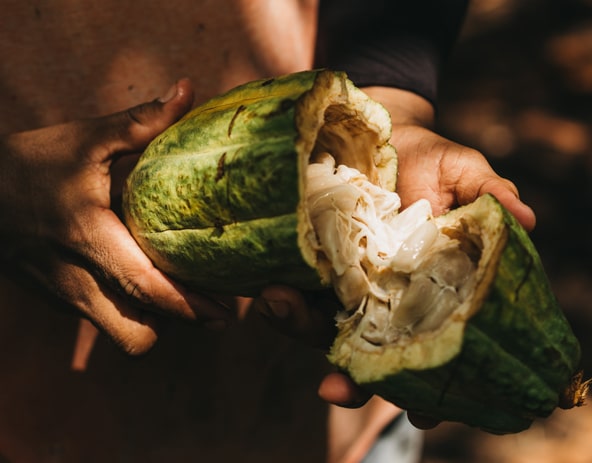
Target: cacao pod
292, 180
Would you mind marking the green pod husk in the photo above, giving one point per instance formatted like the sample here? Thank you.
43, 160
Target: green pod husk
504, 358
216, 201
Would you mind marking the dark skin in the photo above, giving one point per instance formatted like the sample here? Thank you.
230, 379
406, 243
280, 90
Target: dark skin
66, 236
58, 210
85, 255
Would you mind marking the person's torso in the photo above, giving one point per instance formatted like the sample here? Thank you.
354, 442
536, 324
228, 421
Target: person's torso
242, 395
64, 59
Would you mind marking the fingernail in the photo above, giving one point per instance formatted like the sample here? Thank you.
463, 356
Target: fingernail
169, 95
280, 309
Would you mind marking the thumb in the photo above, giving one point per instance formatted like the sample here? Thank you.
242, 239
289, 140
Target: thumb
131, 130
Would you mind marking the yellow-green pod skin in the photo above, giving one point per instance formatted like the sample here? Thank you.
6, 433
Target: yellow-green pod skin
506, 358
193, 201
216, 202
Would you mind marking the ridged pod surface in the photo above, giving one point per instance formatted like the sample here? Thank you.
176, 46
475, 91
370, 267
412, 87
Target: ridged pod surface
217, 201
504, 358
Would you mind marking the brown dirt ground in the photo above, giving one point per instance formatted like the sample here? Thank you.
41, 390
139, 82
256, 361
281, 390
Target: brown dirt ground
519, 88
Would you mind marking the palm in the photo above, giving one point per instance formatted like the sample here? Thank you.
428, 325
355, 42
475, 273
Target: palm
448, 175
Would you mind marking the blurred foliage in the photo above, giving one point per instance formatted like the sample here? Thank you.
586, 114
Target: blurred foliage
518, 87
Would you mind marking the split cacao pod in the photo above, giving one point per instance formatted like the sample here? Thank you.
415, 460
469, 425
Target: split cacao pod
221, 201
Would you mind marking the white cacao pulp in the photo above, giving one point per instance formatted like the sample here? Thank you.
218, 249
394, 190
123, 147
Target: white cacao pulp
394, 272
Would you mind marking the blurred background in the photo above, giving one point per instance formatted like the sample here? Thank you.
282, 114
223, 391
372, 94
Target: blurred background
519, 88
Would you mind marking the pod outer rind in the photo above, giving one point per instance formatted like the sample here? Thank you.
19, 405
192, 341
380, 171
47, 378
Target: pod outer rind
511, 358
216, 200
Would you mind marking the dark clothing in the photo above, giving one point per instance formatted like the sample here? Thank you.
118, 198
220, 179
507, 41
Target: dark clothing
389, 43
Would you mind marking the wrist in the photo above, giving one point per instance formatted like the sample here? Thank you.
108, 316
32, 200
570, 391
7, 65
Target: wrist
405, 107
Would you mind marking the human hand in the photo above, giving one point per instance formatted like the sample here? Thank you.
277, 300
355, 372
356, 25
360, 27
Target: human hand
432, 167
448, 174
60, 230
309, 317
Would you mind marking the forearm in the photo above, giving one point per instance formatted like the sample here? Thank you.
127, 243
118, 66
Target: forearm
398, 45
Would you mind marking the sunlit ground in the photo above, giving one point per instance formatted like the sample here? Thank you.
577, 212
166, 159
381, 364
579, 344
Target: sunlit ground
519, 88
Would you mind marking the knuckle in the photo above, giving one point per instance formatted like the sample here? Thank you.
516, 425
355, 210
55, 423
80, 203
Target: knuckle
141, 125
137, 291
134, 115
130, 329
